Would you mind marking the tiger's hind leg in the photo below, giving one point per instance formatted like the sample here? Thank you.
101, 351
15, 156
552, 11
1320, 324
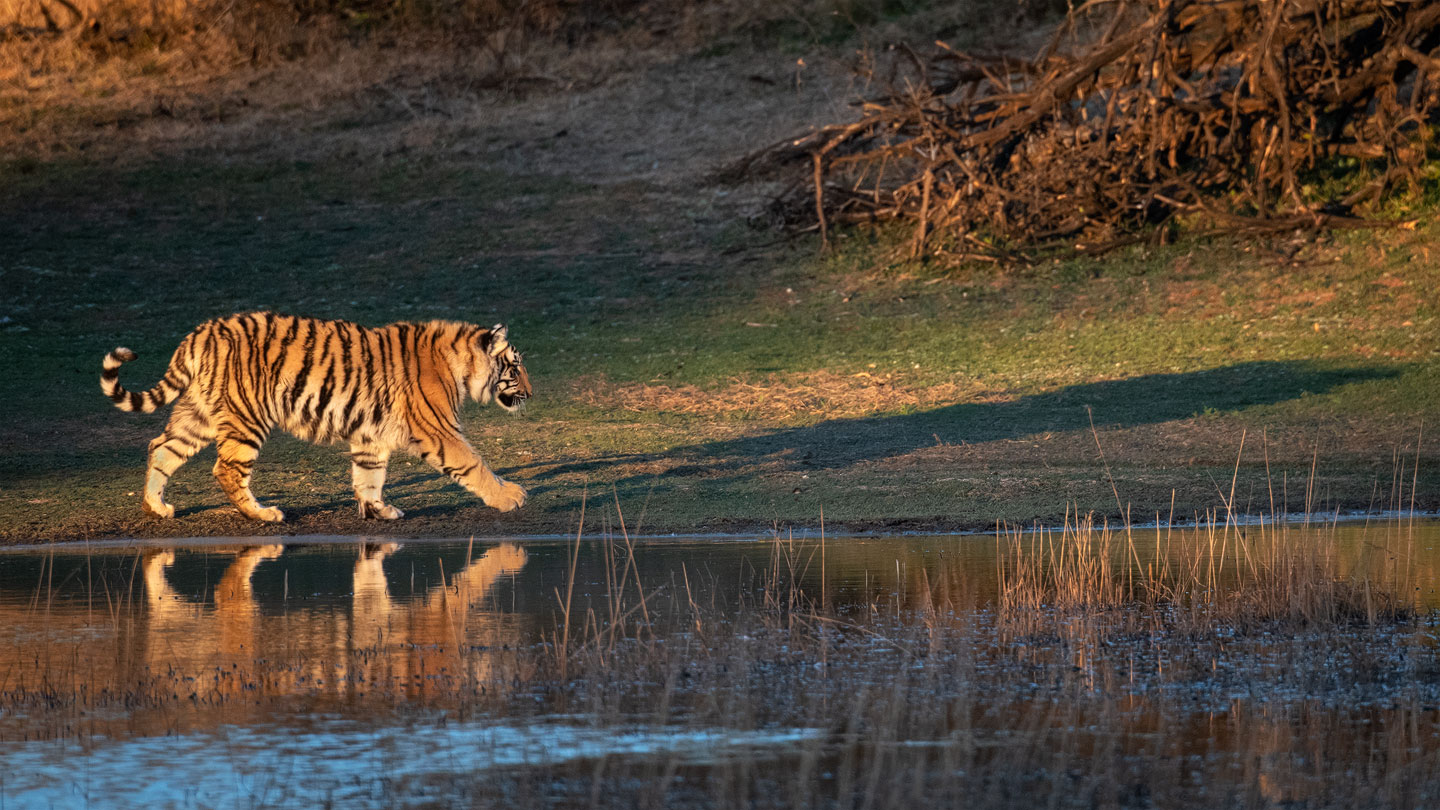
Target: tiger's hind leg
185, 434
236, 458
367, 470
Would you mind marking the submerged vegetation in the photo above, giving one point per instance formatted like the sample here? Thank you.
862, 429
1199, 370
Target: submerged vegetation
1245, 665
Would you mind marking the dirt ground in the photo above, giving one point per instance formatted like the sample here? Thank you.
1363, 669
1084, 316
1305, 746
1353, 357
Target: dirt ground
702, 371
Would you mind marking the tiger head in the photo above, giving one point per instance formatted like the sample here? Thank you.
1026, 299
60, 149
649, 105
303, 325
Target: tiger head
510, 385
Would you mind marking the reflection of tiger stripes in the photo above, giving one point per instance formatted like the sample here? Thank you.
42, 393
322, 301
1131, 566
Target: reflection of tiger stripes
396, 387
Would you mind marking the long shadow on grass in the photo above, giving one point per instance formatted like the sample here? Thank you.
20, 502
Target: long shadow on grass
1130, 402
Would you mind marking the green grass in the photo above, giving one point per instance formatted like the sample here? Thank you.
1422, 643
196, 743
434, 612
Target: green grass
1318, 351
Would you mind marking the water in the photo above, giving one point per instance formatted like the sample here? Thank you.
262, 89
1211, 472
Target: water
371, 673
335, 760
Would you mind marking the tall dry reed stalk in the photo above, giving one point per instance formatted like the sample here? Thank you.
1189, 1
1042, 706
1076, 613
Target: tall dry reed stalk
930, 702
1148, 676
1222, 572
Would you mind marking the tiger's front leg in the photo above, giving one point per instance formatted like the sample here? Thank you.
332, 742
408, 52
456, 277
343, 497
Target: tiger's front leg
367, 471
452, 455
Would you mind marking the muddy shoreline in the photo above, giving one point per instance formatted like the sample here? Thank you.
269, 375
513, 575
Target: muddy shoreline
335, 528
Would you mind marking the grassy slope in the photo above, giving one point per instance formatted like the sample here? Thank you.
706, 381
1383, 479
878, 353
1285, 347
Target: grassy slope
1176, 353
888, 395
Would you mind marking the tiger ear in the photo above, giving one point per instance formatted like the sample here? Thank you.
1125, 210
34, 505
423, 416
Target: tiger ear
495, 342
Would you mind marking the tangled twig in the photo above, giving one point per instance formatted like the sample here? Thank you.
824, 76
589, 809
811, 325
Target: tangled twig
1234, 112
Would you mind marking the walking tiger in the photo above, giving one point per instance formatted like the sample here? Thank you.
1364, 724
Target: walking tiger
234, 380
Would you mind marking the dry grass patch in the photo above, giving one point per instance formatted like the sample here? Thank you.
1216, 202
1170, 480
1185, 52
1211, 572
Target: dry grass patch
783, 396
110, 78
84, 76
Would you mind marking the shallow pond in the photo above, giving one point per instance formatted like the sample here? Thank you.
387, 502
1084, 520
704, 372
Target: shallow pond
768, 671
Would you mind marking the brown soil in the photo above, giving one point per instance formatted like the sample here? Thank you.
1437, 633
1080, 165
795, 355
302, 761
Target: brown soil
650, 121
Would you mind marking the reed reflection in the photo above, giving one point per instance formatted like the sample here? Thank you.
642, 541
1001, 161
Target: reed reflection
1273, 666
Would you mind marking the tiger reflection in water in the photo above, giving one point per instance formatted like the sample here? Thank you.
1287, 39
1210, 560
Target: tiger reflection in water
418, 645
429, 643
183, 635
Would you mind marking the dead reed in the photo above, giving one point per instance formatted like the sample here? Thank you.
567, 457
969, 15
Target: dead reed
1236, 664
1105, 663
1221, 572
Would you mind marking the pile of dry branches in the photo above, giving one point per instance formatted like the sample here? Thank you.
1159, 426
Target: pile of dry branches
1253, 114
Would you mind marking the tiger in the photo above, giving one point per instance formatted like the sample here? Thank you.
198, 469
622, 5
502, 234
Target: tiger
236, 379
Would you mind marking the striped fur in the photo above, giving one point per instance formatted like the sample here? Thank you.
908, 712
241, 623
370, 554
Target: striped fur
396, 387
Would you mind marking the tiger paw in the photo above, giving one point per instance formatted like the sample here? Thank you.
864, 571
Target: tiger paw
160, 510
382, 511
511, 496
269, 514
